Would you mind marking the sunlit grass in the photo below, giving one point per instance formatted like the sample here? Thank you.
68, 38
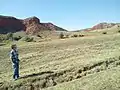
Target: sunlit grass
58, 55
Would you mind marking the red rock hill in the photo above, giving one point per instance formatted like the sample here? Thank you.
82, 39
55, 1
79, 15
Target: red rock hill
30, 25
103, 26
10, 24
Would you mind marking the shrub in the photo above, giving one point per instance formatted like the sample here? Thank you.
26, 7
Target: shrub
27, 39
104, 33
81, 35
39, 36
119, 31
17, 38
3, 37
75, 35
67, 36
61, 35
10, 36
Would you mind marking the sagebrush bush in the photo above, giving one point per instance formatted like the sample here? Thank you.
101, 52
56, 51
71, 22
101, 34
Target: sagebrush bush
75, 35
27, 39
104, 33
61, 36
3, 37
16, 38
67, 36
81, 35
10, 36
119, 31
39, 36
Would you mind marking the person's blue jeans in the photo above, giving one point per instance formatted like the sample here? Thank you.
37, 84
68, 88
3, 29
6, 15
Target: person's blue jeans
16, 70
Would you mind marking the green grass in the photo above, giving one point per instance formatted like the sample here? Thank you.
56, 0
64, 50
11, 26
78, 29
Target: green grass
104, 80
20, 33
82, 63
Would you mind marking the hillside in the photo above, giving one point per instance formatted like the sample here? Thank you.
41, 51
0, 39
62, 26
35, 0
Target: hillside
10, 24
91, 62
30, 25
103, 25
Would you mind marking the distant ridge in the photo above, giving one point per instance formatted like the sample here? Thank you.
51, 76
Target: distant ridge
30, 25
99, 26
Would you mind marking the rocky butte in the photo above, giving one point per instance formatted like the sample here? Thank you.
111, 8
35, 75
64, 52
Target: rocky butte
30, 25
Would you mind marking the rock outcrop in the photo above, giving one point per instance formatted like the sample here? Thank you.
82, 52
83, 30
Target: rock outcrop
100, 26
30, 25
103, 26
53, 27
50, 26
33, 25
10, 24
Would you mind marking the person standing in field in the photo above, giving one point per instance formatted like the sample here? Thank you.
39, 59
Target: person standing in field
15, 61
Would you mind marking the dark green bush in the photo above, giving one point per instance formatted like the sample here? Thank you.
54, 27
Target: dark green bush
39, 36
81, 35
3, 37
27, 39
75, 35
119, 31
67, 36
16, 38
104, 33
61, 36
10, 36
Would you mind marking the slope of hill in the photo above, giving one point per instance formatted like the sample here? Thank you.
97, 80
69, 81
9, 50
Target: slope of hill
100, 26
103, 25
30, 25
10, 24
53, 27
82, 63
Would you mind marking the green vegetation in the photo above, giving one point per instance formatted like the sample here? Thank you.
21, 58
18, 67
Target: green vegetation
27, 39
81, 35
104, 80
75, 35
10, 36
2, 37
67, 36
119, 31
39, 36
88, 63
104, 33
61, 35
17, 38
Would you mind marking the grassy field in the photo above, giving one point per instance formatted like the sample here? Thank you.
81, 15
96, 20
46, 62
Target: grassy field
91, 62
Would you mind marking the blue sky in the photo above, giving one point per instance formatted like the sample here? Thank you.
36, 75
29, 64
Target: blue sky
69, 14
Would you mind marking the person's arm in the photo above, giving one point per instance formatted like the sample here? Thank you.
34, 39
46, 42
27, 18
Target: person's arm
12, 56
17, 55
